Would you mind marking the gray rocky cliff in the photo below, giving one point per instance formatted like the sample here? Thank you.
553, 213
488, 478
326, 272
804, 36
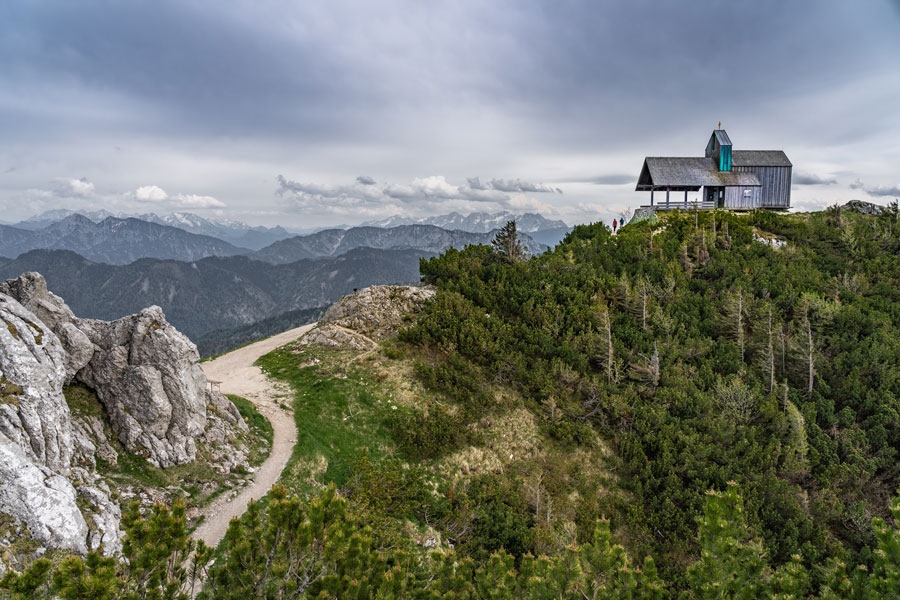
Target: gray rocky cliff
155, 400
33, 413
147, 376
36, 440
145, 372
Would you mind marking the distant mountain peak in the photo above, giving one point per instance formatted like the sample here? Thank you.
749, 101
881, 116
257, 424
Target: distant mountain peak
476, 222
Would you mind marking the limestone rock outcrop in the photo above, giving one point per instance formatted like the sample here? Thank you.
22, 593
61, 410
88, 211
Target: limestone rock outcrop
378, 311
36, 442
335, 336
147, 375
144, 371
153, 393
33, 413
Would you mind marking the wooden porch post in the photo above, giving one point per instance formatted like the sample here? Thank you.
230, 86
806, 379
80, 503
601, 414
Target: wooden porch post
651, 196
667, 198
685, 199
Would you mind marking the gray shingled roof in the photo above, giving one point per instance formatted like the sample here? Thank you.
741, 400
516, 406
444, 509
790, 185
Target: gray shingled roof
676, 171
722, 137
759, 158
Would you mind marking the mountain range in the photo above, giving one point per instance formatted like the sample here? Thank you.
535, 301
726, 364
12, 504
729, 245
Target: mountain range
332, 242
477, 222
234, 232
543, 230
121, 241
214, 293
114, 240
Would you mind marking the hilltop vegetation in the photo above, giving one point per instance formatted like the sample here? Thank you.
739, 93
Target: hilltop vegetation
702, 354
704, 404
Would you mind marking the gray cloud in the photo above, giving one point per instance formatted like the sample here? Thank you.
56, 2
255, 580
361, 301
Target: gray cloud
811, 179
365, 180
876, 190
884, 190
609, 179
517, 185
423, 192
216, 97
63, 187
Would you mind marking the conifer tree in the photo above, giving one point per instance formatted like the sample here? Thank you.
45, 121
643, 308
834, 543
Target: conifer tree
731, 561
506, 243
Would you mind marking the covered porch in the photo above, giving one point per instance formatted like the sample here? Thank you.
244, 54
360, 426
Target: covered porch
667, 197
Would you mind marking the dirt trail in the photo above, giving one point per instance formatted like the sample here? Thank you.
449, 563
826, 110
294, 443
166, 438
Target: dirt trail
240, 377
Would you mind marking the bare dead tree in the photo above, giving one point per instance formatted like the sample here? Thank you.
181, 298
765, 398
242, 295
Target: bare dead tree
782, 340
608, 350
685, 260
644, 292
770, 351
702, 251
810, 350
647, 373
735, 312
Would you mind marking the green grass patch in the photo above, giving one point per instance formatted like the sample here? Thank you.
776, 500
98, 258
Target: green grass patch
82, 401
340, 412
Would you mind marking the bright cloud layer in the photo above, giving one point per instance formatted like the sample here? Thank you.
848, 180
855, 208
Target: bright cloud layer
155, 194
425, 193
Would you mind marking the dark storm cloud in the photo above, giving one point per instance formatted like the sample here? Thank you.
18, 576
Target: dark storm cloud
811, 179
400, 88
584, 67
884, 190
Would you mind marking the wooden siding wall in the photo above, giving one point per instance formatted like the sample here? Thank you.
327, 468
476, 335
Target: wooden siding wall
775, 185
735, 199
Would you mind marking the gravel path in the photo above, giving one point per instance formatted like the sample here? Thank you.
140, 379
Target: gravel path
240, 377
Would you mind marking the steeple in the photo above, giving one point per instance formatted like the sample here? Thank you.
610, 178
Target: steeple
719, 148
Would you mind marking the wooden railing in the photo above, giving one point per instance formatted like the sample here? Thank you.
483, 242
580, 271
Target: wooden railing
691, 205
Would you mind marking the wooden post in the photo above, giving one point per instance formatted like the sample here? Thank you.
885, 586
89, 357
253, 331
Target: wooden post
667, 198
651, 196
685, 199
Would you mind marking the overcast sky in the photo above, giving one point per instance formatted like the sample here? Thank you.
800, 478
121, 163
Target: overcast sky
314, 113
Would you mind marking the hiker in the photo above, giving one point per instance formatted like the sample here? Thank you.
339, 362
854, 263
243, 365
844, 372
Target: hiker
615, 224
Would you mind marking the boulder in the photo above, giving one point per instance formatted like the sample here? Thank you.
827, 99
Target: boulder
334, 336
145, 372
147, 376
378, 311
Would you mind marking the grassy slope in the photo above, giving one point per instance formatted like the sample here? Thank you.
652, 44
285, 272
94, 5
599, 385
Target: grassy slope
339, 408
345, 401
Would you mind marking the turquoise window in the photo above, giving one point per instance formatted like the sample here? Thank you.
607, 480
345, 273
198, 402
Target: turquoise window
725, 158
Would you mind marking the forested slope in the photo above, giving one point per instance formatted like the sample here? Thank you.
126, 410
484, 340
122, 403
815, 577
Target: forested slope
702, 353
